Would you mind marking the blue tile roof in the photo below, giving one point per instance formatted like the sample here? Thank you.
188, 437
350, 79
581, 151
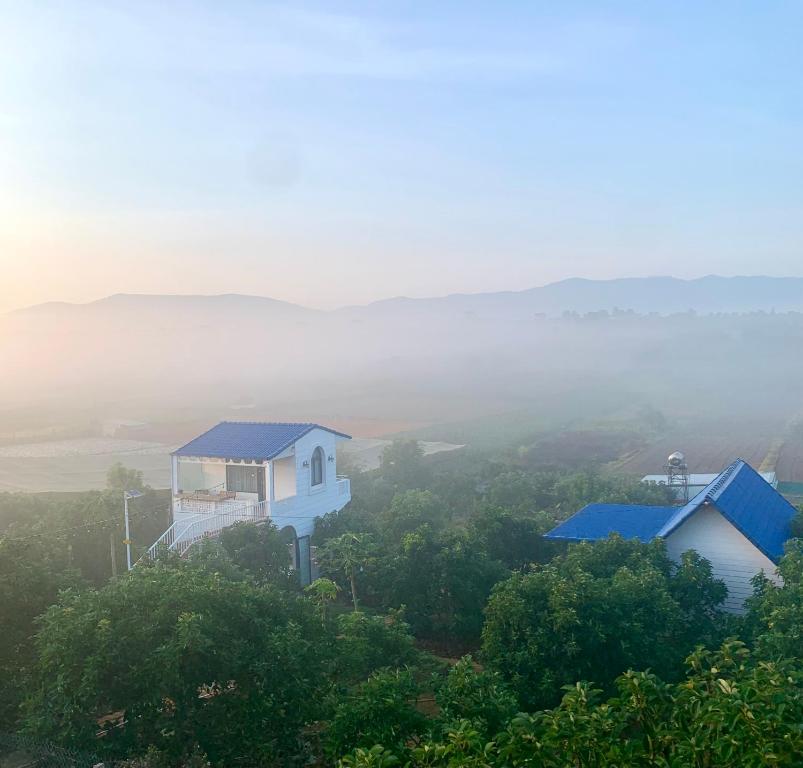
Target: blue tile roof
252, 440
739, 493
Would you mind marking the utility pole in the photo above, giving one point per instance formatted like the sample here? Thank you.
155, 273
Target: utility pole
126, 496
112, 543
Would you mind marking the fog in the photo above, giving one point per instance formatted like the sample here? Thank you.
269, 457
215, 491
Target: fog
168, 358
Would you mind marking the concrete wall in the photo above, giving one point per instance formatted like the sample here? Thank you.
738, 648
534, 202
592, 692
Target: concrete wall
310, 502
734, 559
284, 478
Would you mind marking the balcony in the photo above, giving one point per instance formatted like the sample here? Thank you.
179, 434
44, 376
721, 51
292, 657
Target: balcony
211, 502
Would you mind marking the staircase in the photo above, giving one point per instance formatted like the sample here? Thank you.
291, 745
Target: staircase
180, 536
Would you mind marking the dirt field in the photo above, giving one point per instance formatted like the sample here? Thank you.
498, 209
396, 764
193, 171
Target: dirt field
81, 464
705, 451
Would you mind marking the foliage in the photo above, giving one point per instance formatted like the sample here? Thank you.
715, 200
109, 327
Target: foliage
191, 658
322, 592
403, 465
408, 511
796, 525
261, 551
121, 478
444, 581
731, 712
479, 696
32, 572
514, 538
366, 643
347, 554
775, 613
595, 612
380, 711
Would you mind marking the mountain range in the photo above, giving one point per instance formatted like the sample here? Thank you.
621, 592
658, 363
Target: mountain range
181, 351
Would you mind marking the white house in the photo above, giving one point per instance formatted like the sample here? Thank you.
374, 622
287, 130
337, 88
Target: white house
255, 471
738, 522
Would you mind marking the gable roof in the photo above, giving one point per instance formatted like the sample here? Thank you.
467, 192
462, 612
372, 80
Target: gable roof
250, 440
739, 493
746, 501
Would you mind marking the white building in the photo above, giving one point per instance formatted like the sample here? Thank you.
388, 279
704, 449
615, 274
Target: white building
255, 471
700, 481
738, 522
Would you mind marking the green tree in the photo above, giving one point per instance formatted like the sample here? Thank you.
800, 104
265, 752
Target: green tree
261, 551
382, 710
121, 478
32, 572
192, 659
322, 592
408, 511
347, 554
365, 643
775, 612
480, 696
595, 612
403, 465
731, 711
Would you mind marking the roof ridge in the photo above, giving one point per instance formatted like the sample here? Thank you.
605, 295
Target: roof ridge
720, 482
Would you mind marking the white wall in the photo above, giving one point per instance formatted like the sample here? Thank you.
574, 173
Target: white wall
284, 477
734, 559
301, 510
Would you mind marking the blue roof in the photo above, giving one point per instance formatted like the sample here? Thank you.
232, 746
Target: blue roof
598, 521
251, 440
739, 493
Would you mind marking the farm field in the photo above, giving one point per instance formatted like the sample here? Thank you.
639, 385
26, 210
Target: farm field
708, 448
81, 464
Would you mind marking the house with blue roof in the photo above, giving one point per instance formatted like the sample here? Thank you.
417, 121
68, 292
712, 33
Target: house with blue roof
285, 473
738, 522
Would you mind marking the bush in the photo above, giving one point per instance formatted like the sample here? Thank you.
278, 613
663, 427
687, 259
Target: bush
380, 711
595, 612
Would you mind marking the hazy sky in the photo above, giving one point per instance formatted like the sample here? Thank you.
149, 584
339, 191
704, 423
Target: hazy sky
334, 153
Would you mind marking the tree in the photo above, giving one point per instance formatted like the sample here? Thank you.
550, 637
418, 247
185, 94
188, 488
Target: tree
348, 554
32, 572
261, 551
410, 510
731, 711
380, 711
322, 592
775, 613
192, 659
444, 582
366, 643
120, 478
403, 465
480, 696
595, 612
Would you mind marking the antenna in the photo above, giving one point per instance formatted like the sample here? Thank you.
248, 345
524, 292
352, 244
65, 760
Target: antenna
677, 475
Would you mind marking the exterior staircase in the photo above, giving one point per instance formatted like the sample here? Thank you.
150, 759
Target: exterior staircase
180, 536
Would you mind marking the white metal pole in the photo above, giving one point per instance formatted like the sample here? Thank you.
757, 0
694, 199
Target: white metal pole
127, 533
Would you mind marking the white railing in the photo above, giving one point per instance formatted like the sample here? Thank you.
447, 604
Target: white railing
180, 536
343, 486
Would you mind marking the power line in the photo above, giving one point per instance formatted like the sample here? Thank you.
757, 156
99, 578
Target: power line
83, 526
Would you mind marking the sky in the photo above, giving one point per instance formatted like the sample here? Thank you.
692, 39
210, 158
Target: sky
337, 153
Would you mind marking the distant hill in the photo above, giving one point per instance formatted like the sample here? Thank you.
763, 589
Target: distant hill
664, 295
494, 349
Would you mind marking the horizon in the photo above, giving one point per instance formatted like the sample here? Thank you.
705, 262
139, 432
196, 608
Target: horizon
398, 297
343, 154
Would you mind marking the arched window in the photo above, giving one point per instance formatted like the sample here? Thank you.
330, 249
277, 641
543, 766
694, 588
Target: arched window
316, 467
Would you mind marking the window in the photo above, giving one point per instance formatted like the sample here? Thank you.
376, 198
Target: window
242, 479
316, 467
